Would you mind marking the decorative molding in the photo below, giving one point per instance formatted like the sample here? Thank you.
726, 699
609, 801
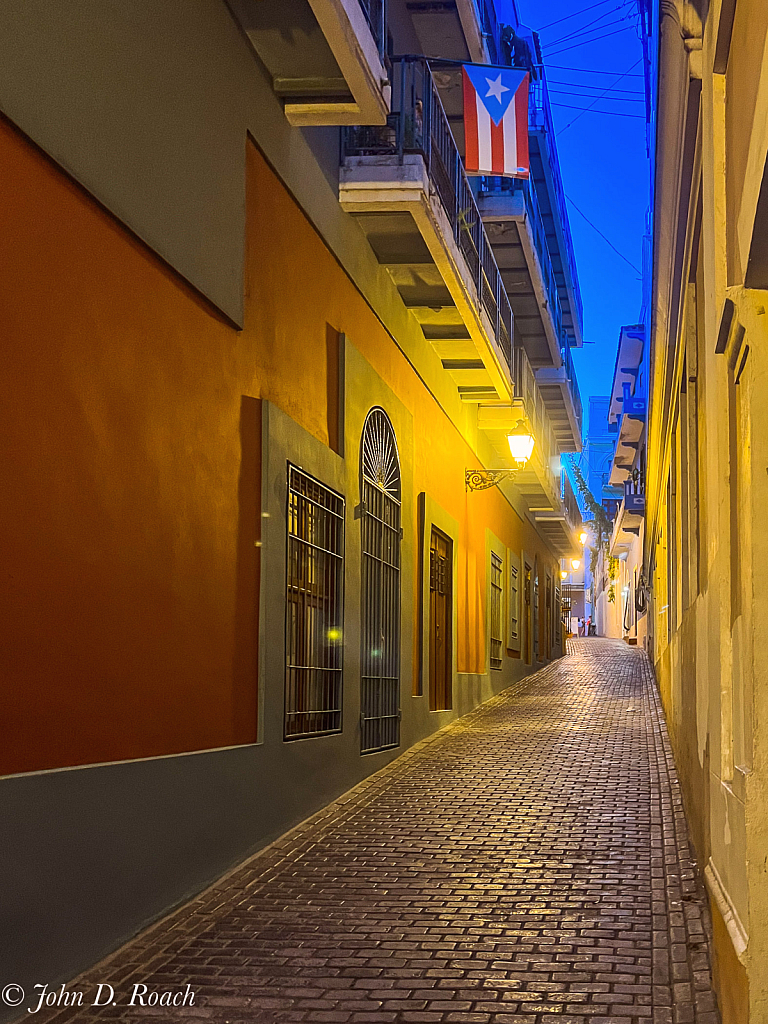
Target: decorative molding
732, 921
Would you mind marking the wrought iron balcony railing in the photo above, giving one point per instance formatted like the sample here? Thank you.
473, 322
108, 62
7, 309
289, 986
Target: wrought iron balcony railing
527, 390
418, 124
494, 185
540, 118
634, 494
375, 12
570, 371
570, 503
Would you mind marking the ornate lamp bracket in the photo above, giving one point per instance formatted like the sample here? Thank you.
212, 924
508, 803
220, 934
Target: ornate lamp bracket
482, 479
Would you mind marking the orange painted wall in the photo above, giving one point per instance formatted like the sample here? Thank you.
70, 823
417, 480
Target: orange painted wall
129, 607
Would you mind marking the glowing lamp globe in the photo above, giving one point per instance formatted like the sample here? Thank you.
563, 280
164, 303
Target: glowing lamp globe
575, 563
520, 443
563, 574
583, 537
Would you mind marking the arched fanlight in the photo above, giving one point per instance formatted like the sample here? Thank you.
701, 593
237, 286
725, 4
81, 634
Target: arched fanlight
380, 461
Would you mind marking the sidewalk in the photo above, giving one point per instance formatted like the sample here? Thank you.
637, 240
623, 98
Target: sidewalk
528, 864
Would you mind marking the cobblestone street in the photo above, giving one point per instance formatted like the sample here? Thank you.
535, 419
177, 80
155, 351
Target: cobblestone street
528, 864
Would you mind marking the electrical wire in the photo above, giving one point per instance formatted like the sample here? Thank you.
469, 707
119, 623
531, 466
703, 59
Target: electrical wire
589, 110
597, 100
575, 94
594, 26
604, 238
574, 15
581, 86
591, 71
586, 42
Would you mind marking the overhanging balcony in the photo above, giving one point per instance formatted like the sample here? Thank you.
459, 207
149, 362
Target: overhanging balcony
326, 57
629, 518
550, 501
464, 30
548, 184
406, 185
631, 427
515, 228
560, 390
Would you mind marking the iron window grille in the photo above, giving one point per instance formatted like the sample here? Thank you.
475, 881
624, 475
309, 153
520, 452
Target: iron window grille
536, 613
513, 607
314, 608
380, 514
496, 604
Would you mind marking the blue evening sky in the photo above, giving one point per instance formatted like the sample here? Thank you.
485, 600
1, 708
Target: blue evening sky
603, 162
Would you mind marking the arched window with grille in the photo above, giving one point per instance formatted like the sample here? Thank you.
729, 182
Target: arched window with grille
380, 581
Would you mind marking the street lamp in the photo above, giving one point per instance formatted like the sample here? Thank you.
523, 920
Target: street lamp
575, 563
520, 445
583, 537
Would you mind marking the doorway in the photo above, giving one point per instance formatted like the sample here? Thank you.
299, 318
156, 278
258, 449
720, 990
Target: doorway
527, 610
440, 621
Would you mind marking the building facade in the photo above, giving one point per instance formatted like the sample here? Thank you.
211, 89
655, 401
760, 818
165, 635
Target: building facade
245, 378
706, 474
621, 586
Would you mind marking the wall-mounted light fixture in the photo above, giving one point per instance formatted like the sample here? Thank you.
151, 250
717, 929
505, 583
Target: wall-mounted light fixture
583, 537
520, 445
575, 563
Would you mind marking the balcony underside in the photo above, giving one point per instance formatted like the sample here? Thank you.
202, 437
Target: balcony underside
450, 30
556, 391
537, 484
626, 529
516, 256
322, 56
630, 435
546, 189
509, 233
411, 236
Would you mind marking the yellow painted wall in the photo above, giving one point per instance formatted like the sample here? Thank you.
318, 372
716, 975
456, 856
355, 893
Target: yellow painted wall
130, 610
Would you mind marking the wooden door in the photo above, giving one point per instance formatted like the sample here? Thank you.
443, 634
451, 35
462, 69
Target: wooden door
440, 621
527, 610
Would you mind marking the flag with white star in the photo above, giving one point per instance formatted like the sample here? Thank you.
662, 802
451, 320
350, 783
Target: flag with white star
495, 120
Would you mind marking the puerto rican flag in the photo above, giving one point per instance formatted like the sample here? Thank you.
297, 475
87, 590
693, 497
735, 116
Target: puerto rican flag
495, 120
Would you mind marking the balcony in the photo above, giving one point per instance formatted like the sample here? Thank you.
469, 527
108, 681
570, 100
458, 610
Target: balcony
627, 408
326, 57
524, 240
560, 390
631, 426
405, 183
466, 30
549, 499
630, 516
548, 183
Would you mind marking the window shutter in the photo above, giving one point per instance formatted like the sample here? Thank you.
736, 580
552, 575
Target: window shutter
513, 601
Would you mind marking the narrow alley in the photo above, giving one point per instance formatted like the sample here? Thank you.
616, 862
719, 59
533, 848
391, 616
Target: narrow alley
528, 863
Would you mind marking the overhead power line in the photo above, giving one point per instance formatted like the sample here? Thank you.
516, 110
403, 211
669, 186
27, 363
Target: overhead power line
595, 26
592, 71
586, 42
580, 86
568, 17
589, 110
604, 238
597, 100
575, 94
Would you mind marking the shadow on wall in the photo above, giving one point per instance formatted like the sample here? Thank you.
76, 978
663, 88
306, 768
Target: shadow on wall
245, 662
